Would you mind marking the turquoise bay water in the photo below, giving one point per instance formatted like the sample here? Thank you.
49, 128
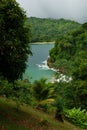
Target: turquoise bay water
36, 65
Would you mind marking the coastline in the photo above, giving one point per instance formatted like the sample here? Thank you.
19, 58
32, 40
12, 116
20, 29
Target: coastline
42, 42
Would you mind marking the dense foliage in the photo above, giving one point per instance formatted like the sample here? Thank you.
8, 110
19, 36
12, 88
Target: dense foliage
14, 40
44, 94
70, 50
70, 56
77, 116
49, 29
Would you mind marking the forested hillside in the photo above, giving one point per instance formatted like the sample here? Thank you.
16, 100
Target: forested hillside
49, 29
70, 56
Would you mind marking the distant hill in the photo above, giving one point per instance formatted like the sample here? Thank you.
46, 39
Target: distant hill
46, 29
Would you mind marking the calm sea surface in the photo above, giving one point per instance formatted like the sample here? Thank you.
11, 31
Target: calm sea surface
36, 65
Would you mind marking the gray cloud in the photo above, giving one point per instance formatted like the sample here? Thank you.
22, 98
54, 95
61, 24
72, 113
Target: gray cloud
68, 9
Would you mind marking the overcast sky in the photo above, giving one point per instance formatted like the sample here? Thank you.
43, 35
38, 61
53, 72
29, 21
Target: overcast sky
68, 9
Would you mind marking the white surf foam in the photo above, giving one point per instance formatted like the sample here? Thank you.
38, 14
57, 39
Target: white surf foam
43, 65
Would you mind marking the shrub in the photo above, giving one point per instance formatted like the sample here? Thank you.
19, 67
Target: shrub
77, 116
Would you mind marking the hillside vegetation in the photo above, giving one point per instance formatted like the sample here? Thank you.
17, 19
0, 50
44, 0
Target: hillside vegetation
48, 29
69, 56
28, 118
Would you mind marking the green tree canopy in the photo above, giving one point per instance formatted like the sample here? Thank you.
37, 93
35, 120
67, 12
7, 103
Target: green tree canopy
70, 55
14, 40
47, 29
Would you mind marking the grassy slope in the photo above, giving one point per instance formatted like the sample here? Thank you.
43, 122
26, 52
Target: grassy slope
28, 119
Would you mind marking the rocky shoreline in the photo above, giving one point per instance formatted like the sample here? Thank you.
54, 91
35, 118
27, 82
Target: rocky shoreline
61, 76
